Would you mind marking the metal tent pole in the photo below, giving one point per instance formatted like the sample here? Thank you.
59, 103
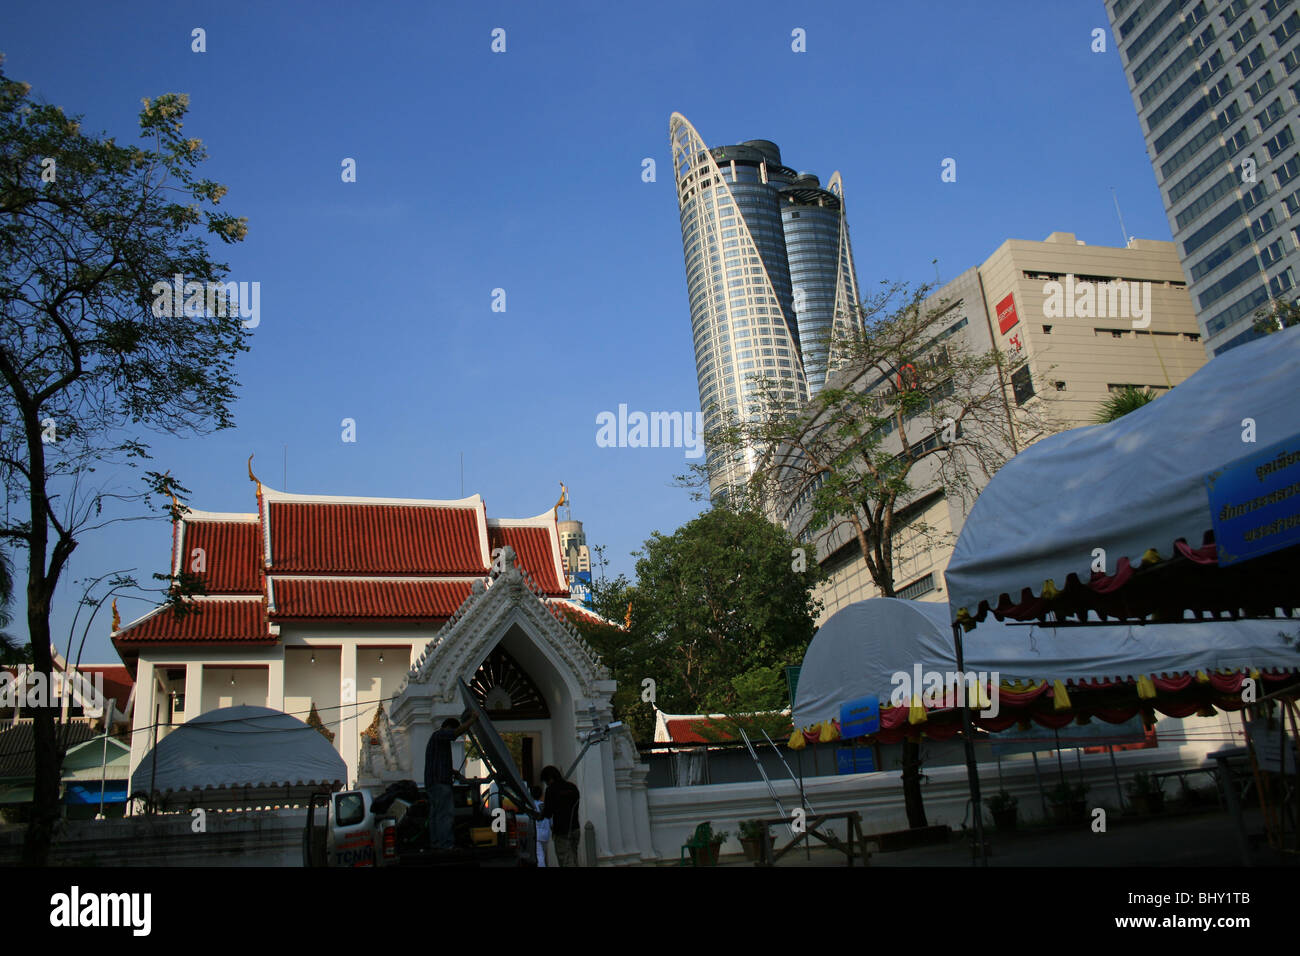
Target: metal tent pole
972, 774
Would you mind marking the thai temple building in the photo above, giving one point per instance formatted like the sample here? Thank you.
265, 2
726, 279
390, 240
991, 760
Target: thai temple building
360, 616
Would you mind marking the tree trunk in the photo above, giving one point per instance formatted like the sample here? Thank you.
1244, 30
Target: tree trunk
912, 784
45, 789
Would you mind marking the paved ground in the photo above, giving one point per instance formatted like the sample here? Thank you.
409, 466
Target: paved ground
1178, 840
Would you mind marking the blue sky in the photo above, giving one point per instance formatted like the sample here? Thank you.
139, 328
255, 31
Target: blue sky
522, 171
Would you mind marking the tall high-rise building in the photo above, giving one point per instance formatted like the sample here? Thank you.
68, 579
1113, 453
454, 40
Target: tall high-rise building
1215, 86
770, 275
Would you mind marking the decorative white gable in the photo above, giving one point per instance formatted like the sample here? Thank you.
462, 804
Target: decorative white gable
512, 611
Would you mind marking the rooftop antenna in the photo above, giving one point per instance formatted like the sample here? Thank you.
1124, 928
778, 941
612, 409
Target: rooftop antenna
1123, 232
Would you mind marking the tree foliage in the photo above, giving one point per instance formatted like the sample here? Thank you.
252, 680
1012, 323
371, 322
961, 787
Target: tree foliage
1120, 403
908, 407
717, 612
88, 229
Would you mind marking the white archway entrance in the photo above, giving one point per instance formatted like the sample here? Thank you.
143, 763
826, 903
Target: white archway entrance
535, 659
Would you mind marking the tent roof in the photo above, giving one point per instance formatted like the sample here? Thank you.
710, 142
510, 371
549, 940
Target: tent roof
240, 747
1131, 487
859, 649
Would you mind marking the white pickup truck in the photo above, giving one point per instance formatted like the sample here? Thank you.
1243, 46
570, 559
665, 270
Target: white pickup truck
492, 825
362, 828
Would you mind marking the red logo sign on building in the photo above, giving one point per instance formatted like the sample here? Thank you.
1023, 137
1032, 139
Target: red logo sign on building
1007, 317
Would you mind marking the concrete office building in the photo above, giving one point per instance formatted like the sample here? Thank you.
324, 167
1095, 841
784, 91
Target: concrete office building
1215, 85
577, 560
769, 272
1080, 322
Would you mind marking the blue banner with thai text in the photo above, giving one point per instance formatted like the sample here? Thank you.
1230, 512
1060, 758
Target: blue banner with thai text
1255, 502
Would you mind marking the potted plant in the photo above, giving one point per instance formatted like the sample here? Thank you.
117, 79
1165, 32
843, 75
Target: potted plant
752, 834
1069, 802
706, 852
1003, 807
1146, 792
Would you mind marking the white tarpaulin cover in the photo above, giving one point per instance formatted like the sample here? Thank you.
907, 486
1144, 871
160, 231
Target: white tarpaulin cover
240, 747
861, 647
1131, 485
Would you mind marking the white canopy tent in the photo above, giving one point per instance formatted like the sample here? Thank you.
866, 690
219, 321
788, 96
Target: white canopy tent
861, 647
254, 752
1127, 487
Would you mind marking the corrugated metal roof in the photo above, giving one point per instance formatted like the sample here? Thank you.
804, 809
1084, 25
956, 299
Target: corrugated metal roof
18, 745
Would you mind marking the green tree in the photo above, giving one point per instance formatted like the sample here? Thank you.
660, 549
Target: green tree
910, 411
717, 611
90, 354
1120, 403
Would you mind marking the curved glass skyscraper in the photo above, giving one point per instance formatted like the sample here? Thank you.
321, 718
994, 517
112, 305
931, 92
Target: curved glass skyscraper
768, 268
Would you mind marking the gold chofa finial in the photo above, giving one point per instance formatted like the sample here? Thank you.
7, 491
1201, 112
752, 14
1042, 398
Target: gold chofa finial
564, 497
252, 477
117, 621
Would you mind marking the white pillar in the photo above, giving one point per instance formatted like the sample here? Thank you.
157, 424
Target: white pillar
275, 683
142, 724
193, 689
349, 748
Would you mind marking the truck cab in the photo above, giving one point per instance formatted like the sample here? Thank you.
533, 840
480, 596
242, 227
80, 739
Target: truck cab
492, 817
360, 827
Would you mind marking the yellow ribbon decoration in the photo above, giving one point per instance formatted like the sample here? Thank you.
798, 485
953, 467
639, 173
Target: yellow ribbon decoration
796, 740
916, 712
1146, 687
827, 732
1062, 699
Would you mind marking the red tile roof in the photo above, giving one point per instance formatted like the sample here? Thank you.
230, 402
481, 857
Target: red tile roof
578, 612
335, 538
685, 730
231, 555
344, 599
216, 620
536, 552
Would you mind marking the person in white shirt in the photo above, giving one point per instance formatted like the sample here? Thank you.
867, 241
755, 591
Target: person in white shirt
543, 826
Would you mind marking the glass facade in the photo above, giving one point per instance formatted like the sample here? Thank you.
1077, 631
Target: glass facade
767, 269
1215, 86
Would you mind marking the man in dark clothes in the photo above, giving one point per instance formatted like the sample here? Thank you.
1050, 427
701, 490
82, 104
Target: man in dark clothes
561, 808
438, 775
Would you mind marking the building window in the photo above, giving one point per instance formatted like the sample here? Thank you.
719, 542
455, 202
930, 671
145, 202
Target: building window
917, 588
1022, 384
1060, 386
1047, 330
